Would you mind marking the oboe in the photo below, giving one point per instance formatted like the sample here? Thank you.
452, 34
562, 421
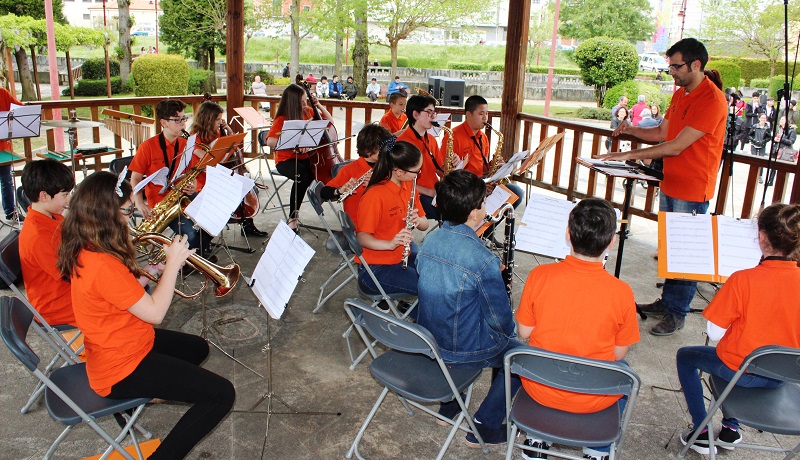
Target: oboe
409, 223
508, 248
361, 180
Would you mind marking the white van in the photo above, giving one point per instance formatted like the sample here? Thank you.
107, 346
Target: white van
652, 62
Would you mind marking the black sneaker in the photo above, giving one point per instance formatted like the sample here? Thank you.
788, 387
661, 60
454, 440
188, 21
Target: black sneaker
14, 217
700, 445
490, 437
668, 326
532, 454
730, 436
383, 307
449, 410
656, 308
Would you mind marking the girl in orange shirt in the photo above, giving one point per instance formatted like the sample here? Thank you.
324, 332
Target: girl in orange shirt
126, 357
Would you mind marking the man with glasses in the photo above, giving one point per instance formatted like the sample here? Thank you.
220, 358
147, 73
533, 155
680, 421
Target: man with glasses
421, 112
691, 136
166, 150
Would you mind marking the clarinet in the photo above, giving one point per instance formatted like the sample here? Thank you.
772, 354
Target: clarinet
508, 249
409, 223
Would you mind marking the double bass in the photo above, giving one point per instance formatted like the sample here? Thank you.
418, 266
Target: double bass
250, 204
322, 158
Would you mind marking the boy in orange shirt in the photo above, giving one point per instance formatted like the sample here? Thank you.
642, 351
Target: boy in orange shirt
597, 321
48, 184
421, 112
395, 117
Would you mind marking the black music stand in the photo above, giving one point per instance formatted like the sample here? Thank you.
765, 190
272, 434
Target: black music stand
17, 123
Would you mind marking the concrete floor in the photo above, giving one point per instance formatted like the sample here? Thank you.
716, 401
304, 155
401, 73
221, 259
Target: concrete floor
310, 374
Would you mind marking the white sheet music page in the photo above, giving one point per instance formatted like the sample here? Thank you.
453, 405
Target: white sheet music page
280, 268
301, 133
159, 177
441, 118
185, 157
496, 199
4, 124
690, 243
218, 199
27, 120
737, 244
508, 167
544, 227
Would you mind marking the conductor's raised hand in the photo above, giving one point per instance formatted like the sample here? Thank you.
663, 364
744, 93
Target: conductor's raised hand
178, 251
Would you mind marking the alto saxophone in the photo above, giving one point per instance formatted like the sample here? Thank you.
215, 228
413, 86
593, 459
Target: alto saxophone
409, 223
361, 180
497, 157
450, 154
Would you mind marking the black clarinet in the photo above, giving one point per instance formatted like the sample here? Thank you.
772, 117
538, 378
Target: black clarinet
508, 248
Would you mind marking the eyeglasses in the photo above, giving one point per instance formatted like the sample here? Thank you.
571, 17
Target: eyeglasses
128, 210
431, 112
676, 67
412, 172
179, 120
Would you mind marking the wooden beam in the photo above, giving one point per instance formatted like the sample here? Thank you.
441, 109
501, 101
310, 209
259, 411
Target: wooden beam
519, 13
235, 57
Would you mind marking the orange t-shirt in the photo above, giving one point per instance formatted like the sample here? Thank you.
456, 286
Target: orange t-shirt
393, 123
38, 254
149, 159
465, 143
6, 99
692, 175
382, 213
759, 306
275, 131
588, 322
352, 170
116, 341
428, 177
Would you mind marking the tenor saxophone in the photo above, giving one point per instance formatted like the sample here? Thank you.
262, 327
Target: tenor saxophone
409, 223
497, 156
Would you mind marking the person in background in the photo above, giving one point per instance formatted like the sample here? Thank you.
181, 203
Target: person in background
396, 87
616, 120
759, 136
647, 120
323, 90
636, 110
623, 102
792, 112
259, 88
6, 181
285, 73
350, 89
655, 112
395, 118
335, 88
373, 90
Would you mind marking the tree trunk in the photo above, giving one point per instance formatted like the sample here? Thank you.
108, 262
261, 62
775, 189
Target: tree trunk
4, 69
36, 73
339, 57
124, 39
202, 58
294, 46
393, 48
212, 56
361, 51
28, 92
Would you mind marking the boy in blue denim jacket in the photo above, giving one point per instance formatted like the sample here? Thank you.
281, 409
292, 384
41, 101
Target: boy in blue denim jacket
463, 300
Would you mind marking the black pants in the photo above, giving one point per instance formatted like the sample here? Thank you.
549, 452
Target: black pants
172, 371
302, 177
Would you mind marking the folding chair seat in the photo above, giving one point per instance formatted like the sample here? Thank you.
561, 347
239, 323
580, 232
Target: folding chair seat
391, 299
338, 167
68, 398
414, 370
335, 244
774, 410
571, 373
276, 185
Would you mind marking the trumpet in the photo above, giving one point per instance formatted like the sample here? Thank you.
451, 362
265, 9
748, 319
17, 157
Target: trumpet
224, 278
361, 180
409, 223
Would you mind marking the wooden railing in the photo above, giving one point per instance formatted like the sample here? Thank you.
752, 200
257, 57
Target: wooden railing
558, 172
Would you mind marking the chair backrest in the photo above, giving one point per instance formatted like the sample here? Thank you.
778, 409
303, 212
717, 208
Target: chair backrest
15, 320
118, 164
315, 197
779, 363
394, 333
572, 373
349, 230
262, 138
338, 167
22, 199
10, 267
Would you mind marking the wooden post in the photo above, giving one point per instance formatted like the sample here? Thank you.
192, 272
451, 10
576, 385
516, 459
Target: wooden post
519, 12
36, 74
70, 82
235, 57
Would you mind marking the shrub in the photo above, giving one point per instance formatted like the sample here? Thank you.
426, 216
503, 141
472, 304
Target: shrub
594, 113
201, 81
266, 78
730, 72
465, 66
556, 70
632, 89
497, 67
159, 75
96, 88
759, 83
402, 61
283, 81
95, 68
605, 62
776, 83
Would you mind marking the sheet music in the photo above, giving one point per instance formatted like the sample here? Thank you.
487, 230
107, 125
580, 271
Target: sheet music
27, 120
185, 157
159, 178
544, 227
212, 207
737, 244
4, 124
508, 167
252, 117
301, 133
608, 163
690, 243
499, 196
280, 268
441, 118
630, 172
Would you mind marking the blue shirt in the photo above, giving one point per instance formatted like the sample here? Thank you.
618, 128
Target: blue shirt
395, 86
462, 298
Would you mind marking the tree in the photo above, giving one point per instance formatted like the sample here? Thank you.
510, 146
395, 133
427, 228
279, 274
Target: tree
399, 18
540, 31
604, 62
124, 23
207, 32
361, 46
626, 19
754, 26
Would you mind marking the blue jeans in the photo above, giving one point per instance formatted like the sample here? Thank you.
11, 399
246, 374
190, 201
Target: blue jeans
690, 360
677, 295
392, 278
196, 237
427, 205
7, 189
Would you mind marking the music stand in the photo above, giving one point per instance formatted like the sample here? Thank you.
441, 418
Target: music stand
17, 123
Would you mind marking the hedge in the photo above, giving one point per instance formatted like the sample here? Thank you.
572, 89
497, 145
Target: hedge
759, 83
402, 61
95, 68
594, 113
201, 81
465, 66
776, 83
283, 81
632, 89
556, 70
87, 87
751, 68
497, 67
159, 75
730, 72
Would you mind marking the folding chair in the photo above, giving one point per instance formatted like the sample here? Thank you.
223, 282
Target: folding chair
68, 398
11, 274
262, 142
349, 231
22, 202
571, 373
335, 244
414, 370
774, 410
118, 164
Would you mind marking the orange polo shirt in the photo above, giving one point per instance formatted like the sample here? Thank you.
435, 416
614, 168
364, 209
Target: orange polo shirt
692, 175
149, 159
758, 306
38, 254
275, 131
352, 170
382, 214
116, 341
465, 143
393, 123
588, 321
6, 99
426, 144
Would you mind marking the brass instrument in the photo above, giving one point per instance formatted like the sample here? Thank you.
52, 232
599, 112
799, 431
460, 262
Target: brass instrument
361, 180
409, 223
224, 278
450, 155
497, 157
